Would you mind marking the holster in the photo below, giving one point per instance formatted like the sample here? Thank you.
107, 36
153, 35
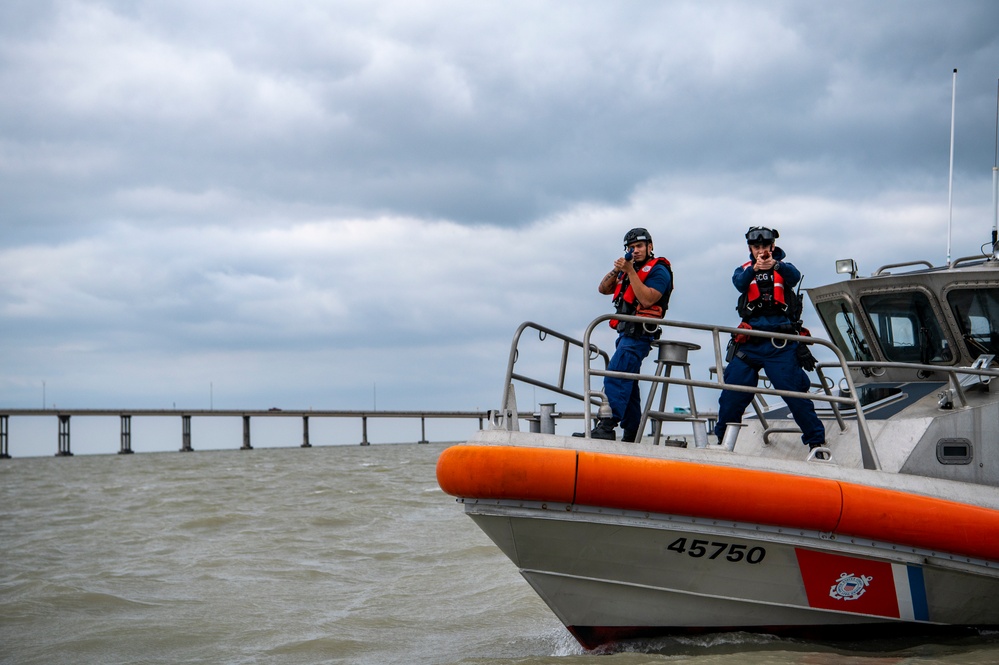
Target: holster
731, 350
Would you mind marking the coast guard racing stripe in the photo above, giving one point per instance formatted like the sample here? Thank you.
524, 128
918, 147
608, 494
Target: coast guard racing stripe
861, 586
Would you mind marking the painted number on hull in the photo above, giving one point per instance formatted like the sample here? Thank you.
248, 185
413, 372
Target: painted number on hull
713, 550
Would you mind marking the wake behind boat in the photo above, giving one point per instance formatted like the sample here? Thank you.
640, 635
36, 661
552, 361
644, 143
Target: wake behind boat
897, 531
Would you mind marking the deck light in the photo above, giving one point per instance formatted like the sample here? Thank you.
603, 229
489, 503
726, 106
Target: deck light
847, 267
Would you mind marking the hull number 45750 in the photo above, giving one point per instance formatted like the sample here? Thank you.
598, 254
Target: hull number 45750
713, 550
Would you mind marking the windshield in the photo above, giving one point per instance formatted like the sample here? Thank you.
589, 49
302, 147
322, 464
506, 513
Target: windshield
906, 327
841, 322
977, 314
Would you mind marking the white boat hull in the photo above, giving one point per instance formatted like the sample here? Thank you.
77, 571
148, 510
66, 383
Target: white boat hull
610, 575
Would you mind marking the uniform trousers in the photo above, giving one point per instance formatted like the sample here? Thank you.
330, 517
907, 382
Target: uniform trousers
784, 372
623, 394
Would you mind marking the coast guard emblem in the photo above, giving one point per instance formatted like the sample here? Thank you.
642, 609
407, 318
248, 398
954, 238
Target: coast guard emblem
850, 586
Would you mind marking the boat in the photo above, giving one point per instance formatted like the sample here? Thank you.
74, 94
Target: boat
891, 528
896, 532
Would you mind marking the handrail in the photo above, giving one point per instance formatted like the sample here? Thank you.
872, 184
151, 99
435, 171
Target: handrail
904, 264
956, 387
868, 454
559, 388
968, 259
869, 457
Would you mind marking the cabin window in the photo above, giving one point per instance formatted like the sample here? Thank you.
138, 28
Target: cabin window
977, 314
839, 319
954, 451
907, 329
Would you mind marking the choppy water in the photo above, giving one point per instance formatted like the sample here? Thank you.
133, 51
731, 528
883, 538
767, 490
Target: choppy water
298, 556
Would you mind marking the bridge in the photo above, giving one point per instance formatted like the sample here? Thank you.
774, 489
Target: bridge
64, 417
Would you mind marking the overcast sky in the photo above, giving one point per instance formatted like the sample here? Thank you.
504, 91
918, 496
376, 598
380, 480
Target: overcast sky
342, 205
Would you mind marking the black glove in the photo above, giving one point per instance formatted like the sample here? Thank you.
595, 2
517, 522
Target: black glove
805, 358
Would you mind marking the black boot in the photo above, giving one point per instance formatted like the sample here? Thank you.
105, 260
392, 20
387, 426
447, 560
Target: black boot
630, 437
604, 429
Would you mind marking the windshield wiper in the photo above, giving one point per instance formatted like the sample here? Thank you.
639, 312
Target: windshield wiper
859, 350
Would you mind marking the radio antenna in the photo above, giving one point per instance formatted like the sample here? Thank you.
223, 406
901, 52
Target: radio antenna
950, 186
995, 185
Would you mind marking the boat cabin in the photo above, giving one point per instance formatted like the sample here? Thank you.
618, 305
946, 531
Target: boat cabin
946, 317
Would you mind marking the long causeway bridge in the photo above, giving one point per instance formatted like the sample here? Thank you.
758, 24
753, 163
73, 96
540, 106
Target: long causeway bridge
540, 421
65, 415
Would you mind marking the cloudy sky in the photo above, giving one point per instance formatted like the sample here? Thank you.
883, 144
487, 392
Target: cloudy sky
347, 205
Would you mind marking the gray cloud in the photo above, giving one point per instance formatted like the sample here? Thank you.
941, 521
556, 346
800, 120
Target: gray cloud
486, 116
306, 197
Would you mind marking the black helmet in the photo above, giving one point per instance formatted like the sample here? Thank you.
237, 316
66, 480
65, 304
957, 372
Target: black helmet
761, 235
637, 235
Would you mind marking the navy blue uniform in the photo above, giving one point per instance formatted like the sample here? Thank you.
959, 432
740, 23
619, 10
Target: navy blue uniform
629, 352
780, 364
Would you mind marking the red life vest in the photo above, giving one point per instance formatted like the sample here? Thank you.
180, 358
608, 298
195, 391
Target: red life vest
624, 296
765, 294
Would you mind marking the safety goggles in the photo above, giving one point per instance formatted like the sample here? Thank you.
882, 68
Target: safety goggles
761, 235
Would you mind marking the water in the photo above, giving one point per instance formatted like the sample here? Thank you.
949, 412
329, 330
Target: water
298, 556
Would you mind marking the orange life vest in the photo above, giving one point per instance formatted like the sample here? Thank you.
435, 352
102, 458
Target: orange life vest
624, 296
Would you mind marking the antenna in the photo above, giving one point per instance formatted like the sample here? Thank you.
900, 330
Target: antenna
995, 185
950, 186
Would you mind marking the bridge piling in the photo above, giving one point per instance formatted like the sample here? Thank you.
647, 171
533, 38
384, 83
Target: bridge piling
126, 435
64, 450
4, 439
185, 440
246, 434
305, 432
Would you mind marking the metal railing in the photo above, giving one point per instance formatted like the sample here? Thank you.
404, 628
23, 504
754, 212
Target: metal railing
958, 379
505, 418
956, 392
868, 454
